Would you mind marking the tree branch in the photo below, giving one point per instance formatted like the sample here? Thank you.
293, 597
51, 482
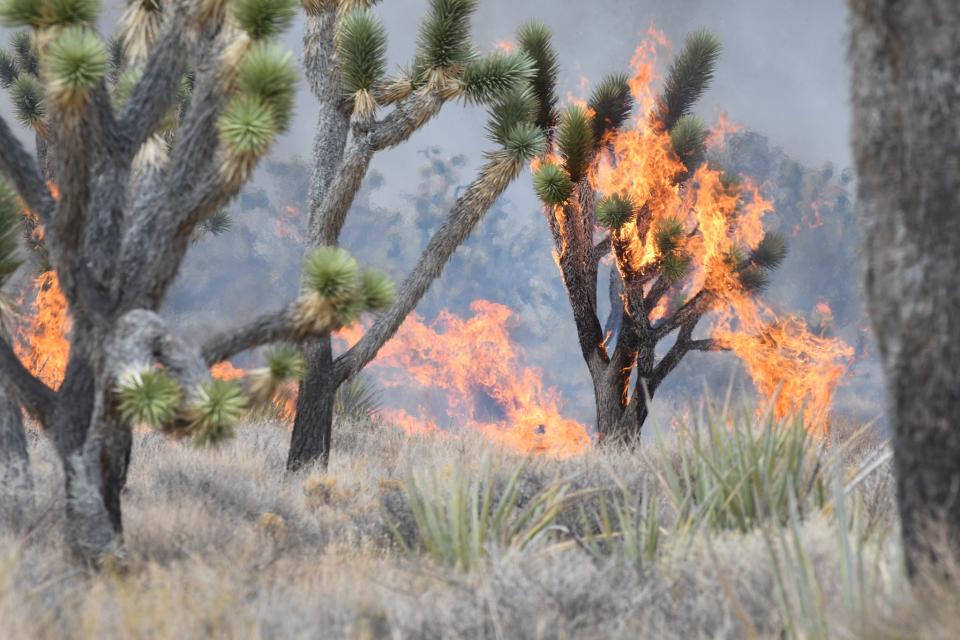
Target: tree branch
269, 327
37, 397
21, 169
693, 309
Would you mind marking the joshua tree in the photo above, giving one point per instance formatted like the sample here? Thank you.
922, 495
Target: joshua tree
344, 60
669, 270
906, 143
131, 194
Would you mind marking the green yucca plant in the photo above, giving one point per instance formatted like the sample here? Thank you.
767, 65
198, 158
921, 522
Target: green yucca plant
498, 74
611, 104
460, 515
535, 41
615, 210
150, 397
359, 398
76, 61
362, 51
215, 411
264, 18
268, 72
513, 108
552, 184
575, 141
688, 137
689, 76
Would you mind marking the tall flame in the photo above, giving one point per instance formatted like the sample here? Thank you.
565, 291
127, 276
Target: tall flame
42, 343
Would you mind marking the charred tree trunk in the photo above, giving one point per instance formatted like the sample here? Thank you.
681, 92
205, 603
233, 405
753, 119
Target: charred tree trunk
16, 481
313, 424
906, 107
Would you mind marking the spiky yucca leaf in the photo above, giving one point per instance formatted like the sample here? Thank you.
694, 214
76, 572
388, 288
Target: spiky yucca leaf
362, 51
115, 51
444, 40
552, 184
264, 18
25, 53
284, 363
358, 398
753, 279
21, 13
689, 77
495, 76
332, 272
535, 41
611, 103
669, 235
76, 61
269, 72
149, 397
8, 70
9, 233
215, 411
248, 125
512, 109
688, 137
674, 266
378, 290
575, 140
615, 210
71, 12
139, 27
525, 141
771, 251
27, 97
219, 223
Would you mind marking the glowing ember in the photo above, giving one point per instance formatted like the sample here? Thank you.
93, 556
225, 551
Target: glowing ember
42, 344
476, 372
226, 371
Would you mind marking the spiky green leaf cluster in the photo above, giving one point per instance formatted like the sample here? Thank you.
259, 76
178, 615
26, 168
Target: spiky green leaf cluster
215, 412
525, 142
264, 18
8, 70
219, 223
332, 272
269, 73
444, 40
377, 289
27, 97
357, 398
285, 362
675, 266
149, 397
689, 137
76, 61
689, 76
25, 52
668, 235
753, 279
615, 210
535, 41
497, 75
9, 232
575, 141
611, 103
248, 125
771, 251
552, 184
362, 51
514, 108
49, 13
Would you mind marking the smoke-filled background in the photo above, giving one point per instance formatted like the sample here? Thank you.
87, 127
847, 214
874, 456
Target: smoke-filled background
782, 75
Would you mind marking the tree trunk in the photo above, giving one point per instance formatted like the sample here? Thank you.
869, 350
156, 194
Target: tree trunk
313, 424
16, 482
906, 107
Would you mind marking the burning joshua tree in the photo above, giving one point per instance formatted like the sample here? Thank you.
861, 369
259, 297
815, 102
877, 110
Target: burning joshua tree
345, 63
138, 173
686, 240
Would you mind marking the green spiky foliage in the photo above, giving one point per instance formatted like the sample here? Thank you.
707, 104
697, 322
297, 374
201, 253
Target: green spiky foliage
218, 407
512, 109
264, 18
219, 223
9, 226
689, 137
26, 55
753, 279
444, 40
669, 235
21, 13
675, 266
248, 125
771, 251
8, 70
362, 50
575, 141
358, 398
689, 76
268, 72
117, 61
48, 13
525, 142
76, 61
332, 272
27, 97
149, 397
552, 184
284, 363
535, 40
611, 104
496, 75
615, 210
377, 289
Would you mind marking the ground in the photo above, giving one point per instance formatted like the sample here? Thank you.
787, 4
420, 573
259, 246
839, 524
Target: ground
395, 541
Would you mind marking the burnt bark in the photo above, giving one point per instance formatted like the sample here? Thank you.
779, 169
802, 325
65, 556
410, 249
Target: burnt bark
313, 424
16, 481
906, 141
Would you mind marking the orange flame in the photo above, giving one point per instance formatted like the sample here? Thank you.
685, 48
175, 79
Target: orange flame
226, 371
42, 344
476, 369
505, 46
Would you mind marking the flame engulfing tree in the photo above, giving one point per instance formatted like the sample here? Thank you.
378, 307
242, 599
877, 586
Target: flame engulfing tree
139, 167
685, 238
906, 142
344, 60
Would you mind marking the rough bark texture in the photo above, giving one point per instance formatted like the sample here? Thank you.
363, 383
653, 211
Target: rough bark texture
906, 106
16, 482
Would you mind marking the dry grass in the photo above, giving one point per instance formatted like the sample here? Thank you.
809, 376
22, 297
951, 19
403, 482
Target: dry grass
223, 543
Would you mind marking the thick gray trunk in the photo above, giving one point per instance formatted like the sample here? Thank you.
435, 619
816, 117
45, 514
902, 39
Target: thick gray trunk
16, 482
313, 424
906, 106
